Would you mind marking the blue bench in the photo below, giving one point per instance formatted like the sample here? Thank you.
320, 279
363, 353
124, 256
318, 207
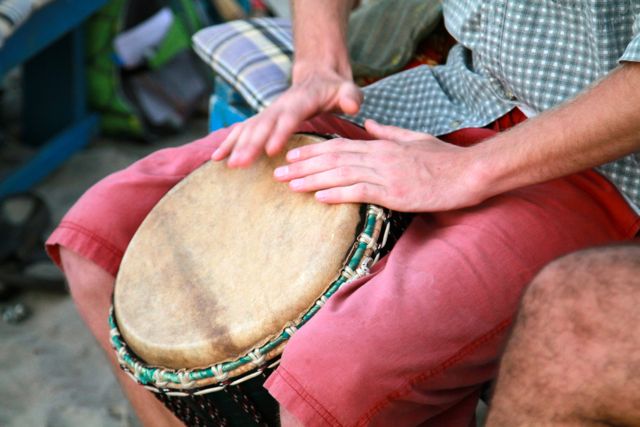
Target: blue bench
56, 122
226, 106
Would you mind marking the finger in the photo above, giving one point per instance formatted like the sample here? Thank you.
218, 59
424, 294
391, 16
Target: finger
349, 98
251, 142
342, 176
292, 109
225, 148
392, 133
319, 164
336, 145
357, 193
283, 130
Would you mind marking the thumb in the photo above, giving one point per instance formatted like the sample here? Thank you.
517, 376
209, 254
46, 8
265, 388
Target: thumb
392, 133
349, 98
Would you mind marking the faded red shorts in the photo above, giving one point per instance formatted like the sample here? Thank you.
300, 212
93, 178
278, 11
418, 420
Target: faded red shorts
413, 343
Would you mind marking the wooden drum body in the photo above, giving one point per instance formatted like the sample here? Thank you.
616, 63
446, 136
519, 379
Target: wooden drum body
220, 274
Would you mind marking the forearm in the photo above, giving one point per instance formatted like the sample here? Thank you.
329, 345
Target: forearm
320, 31
600, 125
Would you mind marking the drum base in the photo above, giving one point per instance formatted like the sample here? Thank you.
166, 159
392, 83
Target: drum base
244, 405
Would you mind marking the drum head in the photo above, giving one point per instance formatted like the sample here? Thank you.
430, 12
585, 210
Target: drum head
224, 261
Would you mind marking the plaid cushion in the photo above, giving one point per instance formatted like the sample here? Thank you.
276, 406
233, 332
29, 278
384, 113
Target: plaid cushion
254, 56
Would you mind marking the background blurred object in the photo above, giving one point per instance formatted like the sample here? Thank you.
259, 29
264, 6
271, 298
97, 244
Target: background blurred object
143, 78
47, 45
24, 220
14, 13
279, 8
230, 9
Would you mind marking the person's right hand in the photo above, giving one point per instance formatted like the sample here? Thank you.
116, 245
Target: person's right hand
314, 91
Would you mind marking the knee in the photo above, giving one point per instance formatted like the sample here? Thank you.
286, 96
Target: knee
89, 284
582, 279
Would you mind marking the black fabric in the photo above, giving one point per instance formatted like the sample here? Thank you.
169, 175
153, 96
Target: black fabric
24, 220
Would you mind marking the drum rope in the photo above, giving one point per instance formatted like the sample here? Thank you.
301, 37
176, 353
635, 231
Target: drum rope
219, 374
291, 329
257, 358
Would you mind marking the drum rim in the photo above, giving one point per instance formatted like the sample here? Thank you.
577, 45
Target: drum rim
358, 261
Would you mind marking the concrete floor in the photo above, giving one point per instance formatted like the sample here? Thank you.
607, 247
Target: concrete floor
52, 373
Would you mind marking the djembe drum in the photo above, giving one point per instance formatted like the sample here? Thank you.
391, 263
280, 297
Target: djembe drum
227, 266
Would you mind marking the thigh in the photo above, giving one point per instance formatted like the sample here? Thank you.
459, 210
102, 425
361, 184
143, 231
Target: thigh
416, 339
575, 339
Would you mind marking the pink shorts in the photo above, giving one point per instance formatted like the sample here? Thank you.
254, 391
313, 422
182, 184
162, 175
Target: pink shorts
414, 342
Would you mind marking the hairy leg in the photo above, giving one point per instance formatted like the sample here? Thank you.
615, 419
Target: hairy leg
91, 289
574, 355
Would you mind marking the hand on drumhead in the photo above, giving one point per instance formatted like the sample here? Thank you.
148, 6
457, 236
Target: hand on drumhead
402, 170
316, 92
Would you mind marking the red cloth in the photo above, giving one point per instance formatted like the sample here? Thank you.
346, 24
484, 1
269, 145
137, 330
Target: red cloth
414, 342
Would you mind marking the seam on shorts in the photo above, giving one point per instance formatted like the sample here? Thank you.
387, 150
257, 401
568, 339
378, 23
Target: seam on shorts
407, 387
308, 398
105, 243
633, 229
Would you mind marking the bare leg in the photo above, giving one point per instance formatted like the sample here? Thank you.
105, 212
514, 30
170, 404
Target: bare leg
574, 356
91, 289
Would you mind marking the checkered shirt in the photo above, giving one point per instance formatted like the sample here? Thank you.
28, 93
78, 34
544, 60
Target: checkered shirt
534, 54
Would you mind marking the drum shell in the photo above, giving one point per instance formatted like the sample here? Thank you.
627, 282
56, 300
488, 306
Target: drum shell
245, 405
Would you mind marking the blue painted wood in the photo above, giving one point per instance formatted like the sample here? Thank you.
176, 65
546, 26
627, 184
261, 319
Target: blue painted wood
54, 88
222, 114
49, 44
44, 27
50, 156
226, 106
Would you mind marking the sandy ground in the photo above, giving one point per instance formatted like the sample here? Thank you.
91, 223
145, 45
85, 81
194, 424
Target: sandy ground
52, 373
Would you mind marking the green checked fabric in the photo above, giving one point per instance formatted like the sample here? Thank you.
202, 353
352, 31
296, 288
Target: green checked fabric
528, 54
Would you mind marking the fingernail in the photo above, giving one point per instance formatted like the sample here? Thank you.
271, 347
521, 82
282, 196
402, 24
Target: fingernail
234, 158
215, 153
296, 183
321, 195
281, 171
293, 154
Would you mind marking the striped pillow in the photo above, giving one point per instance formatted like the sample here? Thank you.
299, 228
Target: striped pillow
253, 56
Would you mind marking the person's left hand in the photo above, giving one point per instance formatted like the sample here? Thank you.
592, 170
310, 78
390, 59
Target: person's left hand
402, 170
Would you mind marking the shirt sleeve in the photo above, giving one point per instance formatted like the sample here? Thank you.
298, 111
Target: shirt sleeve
632, 51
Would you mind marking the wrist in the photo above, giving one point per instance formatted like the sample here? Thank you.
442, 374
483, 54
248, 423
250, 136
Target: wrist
480, 174
320, 36
304, 68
